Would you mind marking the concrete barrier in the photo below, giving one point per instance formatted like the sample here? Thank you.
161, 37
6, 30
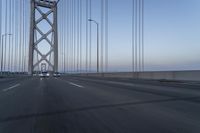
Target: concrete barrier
156, 75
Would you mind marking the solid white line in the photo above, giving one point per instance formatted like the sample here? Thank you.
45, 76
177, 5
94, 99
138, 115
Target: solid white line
12, 87
76, 85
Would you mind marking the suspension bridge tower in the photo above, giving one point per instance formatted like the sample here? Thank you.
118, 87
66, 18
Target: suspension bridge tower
43, 47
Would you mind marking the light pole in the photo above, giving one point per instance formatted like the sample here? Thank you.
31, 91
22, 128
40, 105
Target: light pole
91, 20
2, 53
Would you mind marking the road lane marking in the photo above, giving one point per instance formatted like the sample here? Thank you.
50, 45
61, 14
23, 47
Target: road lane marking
10, 88
75, 85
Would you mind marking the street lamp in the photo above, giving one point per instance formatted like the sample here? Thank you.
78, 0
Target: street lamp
91, 20
2, 54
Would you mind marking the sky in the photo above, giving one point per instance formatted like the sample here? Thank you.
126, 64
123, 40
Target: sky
171, 34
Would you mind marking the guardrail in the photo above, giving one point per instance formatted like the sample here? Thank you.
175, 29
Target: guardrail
154, 75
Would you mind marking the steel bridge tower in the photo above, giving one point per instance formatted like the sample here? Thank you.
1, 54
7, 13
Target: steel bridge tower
42, 10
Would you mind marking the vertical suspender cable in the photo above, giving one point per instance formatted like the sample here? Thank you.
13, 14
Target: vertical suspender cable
20, 36
81, 35
64, 35
22, 40
5, 36
142, 35
106, 35
139, 33
75, 37
102, 34
16, 36
23, 37
0, 33
67, 36
72, 35
60, 42
26, 34
12, 41
9, 30
1, 47
61, 36
22, 65
133, 35
90, 49
25, 21
86, 65
136, 36
67, 50
78, 37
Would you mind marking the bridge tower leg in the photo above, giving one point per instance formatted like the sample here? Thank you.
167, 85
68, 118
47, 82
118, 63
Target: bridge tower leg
42, 10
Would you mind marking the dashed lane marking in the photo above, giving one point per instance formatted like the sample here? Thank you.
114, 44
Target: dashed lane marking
10, 88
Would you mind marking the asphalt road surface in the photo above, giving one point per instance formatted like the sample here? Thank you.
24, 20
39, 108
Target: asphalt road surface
92, 105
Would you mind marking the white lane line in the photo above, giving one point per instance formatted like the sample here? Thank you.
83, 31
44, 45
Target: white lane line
12, 87
75, 85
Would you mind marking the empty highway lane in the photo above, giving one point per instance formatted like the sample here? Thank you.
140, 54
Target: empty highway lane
92, 105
